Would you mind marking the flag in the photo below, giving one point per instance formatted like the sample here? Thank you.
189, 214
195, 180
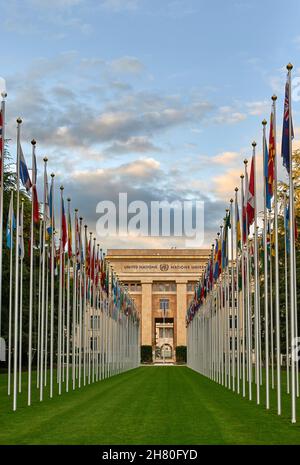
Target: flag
11, 224
286, 136
271, 159
69, 233
51, 209
238, 227
24, 175
251, 195
244, 209
36, 212
63, 225
46, 203
266, 175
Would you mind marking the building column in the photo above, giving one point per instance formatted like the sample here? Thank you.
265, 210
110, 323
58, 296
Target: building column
147, 313
181, 311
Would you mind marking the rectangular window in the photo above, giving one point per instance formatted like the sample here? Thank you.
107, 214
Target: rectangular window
164, 304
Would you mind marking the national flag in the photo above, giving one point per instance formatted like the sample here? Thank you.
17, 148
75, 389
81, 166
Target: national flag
266, 175
63, 225
216, 263
51, 208
24, 174
69, 233
271, 158
238, 227
47, 218
244, 209
36, 212
251, 194
286, 136
11, 223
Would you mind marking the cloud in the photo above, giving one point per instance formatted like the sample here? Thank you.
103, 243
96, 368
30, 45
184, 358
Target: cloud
228, 115
128, 65
120, 5
259, 108
225, 158
138, 144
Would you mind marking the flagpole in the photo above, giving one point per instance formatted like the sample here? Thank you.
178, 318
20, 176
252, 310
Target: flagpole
33, 143
256, 297
248, 295
19, 122
286, 298
52, 278
21, 254
10, 293
68, 303
61, 253
43, 286
243, 297
39, 305
4, 95
266, 290
233, 308
292, 251
237, 225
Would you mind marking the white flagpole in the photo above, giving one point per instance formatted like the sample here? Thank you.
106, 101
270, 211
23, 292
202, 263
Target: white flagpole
19, 122
4, 95
248, 295
10, 295
293, 310
256, 296
43, 286
39, 305
233, 308
61, 258
286, 299
243, 296
52, 282
266, 287
68, 303
237, 295
31, 290
21, 255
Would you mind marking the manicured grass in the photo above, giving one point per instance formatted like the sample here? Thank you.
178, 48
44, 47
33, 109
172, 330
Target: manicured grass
148, 405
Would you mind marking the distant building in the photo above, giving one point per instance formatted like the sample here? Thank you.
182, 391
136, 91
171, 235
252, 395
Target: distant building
162, 282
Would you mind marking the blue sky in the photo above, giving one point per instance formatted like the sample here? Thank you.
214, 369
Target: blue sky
157, 98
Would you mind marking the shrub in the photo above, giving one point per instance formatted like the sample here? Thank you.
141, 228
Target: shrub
146, 354
181, 354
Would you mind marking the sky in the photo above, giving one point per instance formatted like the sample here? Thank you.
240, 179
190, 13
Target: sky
160, 99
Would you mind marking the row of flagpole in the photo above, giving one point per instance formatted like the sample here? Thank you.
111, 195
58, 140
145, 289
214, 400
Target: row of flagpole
86, 323
236, 306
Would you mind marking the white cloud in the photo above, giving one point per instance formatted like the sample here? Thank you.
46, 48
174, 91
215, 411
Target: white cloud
127, 65
120, 5
228, 115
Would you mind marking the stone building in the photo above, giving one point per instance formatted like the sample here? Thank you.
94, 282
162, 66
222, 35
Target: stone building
162, 282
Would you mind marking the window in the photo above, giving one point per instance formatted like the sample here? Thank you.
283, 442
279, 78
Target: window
94, 343
164, 287
164, 304
191, 286
165, 333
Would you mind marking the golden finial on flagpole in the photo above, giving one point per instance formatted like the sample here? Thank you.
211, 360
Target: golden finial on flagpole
289, 66
274, 97
52, 175
254, 144
61, 188
19, 120
264, 122
245, 161
231, 200
33, 142
242, 176
3, 95
236, 189
45, 159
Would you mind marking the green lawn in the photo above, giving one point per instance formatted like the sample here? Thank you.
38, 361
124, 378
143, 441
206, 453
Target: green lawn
148, 405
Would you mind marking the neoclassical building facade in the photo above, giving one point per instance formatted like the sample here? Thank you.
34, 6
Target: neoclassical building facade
162, 282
